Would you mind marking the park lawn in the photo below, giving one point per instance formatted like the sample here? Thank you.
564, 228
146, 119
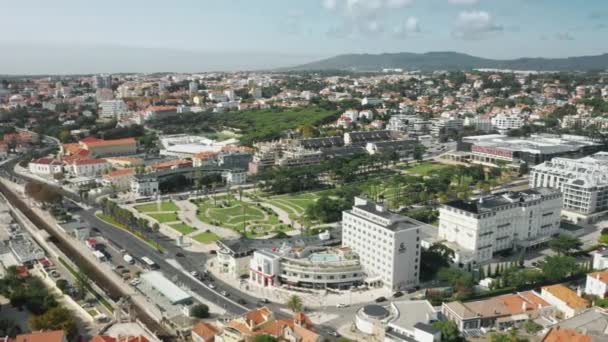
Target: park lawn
296, 203
182, 228
153, 207
164, 217
206, 237
425, 168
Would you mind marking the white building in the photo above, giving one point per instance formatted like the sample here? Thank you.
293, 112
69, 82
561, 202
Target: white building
479, 228
565, 300
112, 109
371, 101
235, 177
88, 167
412, 322
446, 125
352, 114
388, 245
597, 284
309, 267
45, 166
504, 123
600, 259
143, 186
583, 183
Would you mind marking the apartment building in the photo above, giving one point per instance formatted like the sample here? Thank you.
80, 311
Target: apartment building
583, 183
505, 123
388, 244
479, 228
112, 109
45, 166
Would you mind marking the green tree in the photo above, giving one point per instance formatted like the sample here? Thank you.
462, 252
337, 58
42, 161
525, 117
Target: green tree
532, 327
265, 338
449, 331
200, 311
565, 244
558, 267
294, 303
434, 258
419, 151
58, 318
511, 336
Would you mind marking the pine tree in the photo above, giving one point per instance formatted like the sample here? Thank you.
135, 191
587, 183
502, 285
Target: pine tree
481, 273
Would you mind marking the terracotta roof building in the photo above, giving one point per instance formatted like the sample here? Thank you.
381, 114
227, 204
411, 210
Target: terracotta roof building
43, 336
564, 299
565, 335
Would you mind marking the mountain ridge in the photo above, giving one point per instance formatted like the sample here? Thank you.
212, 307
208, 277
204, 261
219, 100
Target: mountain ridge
450, 60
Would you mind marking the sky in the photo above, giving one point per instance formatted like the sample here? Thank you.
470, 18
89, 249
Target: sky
77, 36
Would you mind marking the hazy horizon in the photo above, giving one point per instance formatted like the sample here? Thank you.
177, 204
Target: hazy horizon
71, 36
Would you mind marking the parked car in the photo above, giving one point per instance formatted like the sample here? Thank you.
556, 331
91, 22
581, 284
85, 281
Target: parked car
179, 254
398, 294
380, 299
211, 286
342, 305
224, 293
241, 301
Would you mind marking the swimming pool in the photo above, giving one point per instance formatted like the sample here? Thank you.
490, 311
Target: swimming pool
324, 257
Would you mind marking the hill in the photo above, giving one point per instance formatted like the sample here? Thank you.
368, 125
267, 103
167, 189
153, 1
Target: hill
432, 61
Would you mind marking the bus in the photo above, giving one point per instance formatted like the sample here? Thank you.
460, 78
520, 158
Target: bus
149, 264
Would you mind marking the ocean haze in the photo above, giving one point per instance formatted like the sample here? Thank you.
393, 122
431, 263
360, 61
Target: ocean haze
40, 59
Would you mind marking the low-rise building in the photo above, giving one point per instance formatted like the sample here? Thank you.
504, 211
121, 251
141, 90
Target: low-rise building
310, 267
45, 166
119, 179
412, 321
597, 284
204, 332
565, 300
88, 167
43, 336
144, 186
600, 258
500, 312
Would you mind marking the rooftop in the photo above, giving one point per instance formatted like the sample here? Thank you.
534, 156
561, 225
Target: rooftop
42, 336
568, 296
411, 313
166, 287
600, 275
488, 203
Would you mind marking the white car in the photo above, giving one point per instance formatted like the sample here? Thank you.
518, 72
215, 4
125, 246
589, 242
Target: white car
211, 286
342, 305
135, 282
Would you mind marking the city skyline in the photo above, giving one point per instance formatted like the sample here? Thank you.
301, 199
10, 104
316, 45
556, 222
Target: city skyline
230, 35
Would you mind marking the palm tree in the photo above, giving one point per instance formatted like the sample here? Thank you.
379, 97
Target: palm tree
294, 303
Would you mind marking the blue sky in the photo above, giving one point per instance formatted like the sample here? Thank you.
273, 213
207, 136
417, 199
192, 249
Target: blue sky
316, 28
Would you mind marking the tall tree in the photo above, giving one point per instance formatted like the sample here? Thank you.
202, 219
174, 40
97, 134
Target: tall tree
565, 244
294, 303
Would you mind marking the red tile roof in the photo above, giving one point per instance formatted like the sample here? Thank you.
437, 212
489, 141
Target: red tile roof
205, 330
565, 335
89, 161
119, 173
600, 275
47, 336
110, 142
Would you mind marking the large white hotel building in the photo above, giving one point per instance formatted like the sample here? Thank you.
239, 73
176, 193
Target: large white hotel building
476, 229
583, 183
388, 244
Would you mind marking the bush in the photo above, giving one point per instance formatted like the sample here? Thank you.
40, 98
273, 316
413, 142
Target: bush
200, 311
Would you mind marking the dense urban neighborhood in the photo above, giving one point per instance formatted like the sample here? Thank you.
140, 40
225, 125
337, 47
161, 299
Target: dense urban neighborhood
305, 206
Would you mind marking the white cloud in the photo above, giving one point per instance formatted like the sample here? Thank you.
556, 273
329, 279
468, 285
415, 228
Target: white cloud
564, 36
399, 3
474, 25
464, 2
412, 25
410, 28
330, 4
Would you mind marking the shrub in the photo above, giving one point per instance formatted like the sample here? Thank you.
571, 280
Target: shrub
200, 311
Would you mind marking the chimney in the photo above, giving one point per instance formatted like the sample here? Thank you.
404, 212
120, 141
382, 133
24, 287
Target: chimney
524, 306
481, 200
597, 276
579, 292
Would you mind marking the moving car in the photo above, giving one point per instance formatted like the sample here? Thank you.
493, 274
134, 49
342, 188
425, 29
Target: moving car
342, 305
380, 299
